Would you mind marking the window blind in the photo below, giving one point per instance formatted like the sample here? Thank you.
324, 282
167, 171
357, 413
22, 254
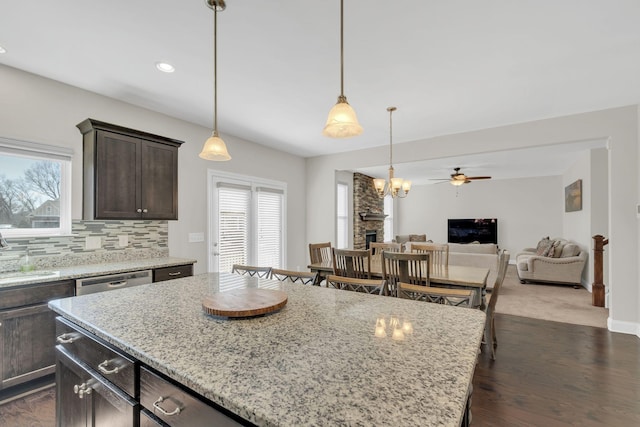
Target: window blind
233, 225
270, 227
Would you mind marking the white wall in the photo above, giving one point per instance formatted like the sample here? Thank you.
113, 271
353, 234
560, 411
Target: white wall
527, 209
45, 111
619, 125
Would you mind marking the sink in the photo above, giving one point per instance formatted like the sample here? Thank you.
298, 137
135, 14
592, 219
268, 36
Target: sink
23, 276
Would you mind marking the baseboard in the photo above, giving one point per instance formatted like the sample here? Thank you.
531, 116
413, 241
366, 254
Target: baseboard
631, 328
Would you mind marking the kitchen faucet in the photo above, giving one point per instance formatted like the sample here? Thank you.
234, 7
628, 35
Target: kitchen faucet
3, 243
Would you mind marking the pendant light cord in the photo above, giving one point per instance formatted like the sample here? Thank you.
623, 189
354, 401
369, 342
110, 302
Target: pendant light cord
341, 48
215, 70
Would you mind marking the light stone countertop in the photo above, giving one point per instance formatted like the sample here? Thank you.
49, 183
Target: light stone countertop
88, 270
316, 362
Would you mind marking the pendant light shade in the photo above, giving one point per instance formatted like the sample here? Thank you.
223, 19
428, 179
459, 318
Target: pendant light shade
214, 147
342, 121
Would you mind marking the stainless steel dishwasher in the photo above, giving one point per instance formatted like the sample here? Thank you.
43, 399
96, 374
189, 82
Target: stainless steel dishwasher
94, 284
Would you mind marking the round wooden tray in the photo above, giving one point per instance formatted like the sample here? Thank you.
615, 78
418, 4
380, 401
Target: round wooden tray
244, 302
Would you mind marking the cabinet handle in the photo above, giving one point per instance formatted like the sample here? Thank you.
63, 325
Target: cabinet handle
67, 338
103, 368
144, 210
156, 405
177, 273
139, 210
81, 390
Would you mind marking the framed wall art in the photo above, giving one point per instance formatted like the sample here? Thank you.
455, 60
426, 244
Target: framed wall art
573, 196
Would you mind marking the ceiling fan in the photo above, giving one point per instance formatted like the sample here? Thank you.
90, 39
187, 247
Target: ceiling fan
459, 178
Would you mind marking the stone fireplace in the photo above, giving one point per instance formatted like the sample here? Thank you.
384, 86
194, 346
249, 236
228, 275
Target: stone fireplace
368, 213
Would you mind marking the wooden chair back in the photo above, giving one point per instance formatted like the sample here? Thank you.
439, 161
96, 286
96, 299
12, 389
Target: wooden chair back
454, 297
412, 268
249, 270
352, 263
369, 286
378, 247
438, 254
302, 277
319, 252
490, 328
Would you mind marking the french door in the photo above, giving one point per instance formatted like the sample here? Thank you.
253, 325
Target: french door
246, 222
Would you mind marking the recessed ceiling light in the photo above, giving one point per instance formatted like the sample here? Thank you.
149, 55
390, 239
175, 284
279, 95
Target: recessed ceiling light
165, 67
3, 50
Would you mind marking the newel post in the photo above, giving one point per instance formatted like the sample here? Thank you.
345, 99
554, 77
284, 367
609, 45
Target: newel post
597, 288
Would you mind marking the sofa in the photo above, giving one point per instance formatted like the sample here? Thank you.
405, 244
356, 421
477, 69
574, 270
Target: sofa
554, 260
476, 255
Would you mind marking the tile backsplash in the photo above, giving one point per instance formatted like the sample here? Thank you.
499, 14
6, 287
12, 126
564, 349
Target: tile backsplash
146, 239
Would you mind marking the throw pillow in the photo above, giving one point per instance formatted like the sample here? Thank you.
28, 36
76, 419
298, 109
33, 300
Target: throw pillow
557, 251
543, 246
570, 249
417, 237
553, 248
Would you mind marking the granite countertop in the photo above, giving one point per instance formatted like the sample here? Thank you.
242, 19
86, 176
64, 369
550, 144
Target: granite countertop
11, 279
317, 361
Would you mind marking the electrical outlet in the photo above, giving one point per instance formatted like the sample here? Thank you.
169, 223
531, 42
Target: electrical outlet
196, 237
123, 241
93, 242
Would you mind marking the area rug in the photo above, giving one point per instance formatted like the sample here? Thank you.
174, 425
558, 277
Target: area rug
559, 303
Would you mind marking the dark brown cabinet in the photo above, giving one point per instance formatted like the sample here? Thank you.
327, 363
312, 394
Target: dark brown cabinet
175, 272
27, 331
84, 398
128, 174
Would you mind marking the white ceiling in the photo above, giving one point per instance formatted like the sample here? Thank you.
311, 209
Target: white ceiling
449, 66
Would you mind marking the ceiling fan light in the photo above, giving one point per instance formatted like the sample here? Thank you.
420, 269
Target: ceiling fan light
342, 121
457, 182
215, 149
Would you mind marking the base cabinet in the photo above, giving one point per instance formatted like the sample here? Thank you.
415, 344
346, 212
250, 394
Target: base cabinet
27, 332
98, 385
84, 398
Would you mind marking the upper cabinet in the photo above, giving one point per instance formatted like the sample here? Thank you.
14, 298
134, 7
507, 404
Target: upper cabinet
128, 174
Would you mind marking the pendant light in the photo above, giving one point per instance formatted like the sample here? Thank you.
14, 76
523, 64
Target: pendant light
214, 147
395, 187
342, 121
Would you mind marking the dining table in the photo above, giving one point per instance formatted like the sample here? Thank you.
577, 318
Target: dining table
452, 276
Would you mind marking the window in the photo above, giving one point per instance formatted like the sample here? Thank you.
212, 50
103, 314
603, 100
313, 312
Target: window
247, 222
342, 216
388, 221
35, 189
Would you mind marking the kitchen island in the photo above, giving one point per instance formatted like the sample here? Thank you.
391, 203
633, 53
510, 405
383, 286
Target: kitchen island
326, 358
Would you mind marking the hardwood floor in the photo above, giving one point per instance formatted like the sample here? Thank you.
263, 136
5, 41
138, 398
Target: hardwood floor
557, 374
545, 374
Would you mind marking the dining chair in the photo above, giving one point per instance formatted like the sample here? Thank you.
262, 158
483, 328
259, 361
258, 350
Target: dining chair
319, 252
412, 268
454, 297
352, 262
438, 254
303, 277
490, 328
249, 270
378, 247
356, 284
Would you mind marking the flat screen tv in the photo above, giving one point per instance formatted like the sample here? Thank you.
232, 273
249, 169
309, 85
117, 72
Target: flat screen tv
482, 230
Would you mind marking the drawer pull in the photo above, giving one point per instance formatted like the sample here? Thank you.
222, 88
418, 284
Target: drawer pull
118, 284
81, 390
157, 406
67, 338
177, 273
103, 368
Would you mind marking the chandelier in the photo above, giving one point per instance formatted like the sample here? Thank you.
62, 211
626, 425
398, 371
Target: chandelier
342, 121
395, 187
214, 147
